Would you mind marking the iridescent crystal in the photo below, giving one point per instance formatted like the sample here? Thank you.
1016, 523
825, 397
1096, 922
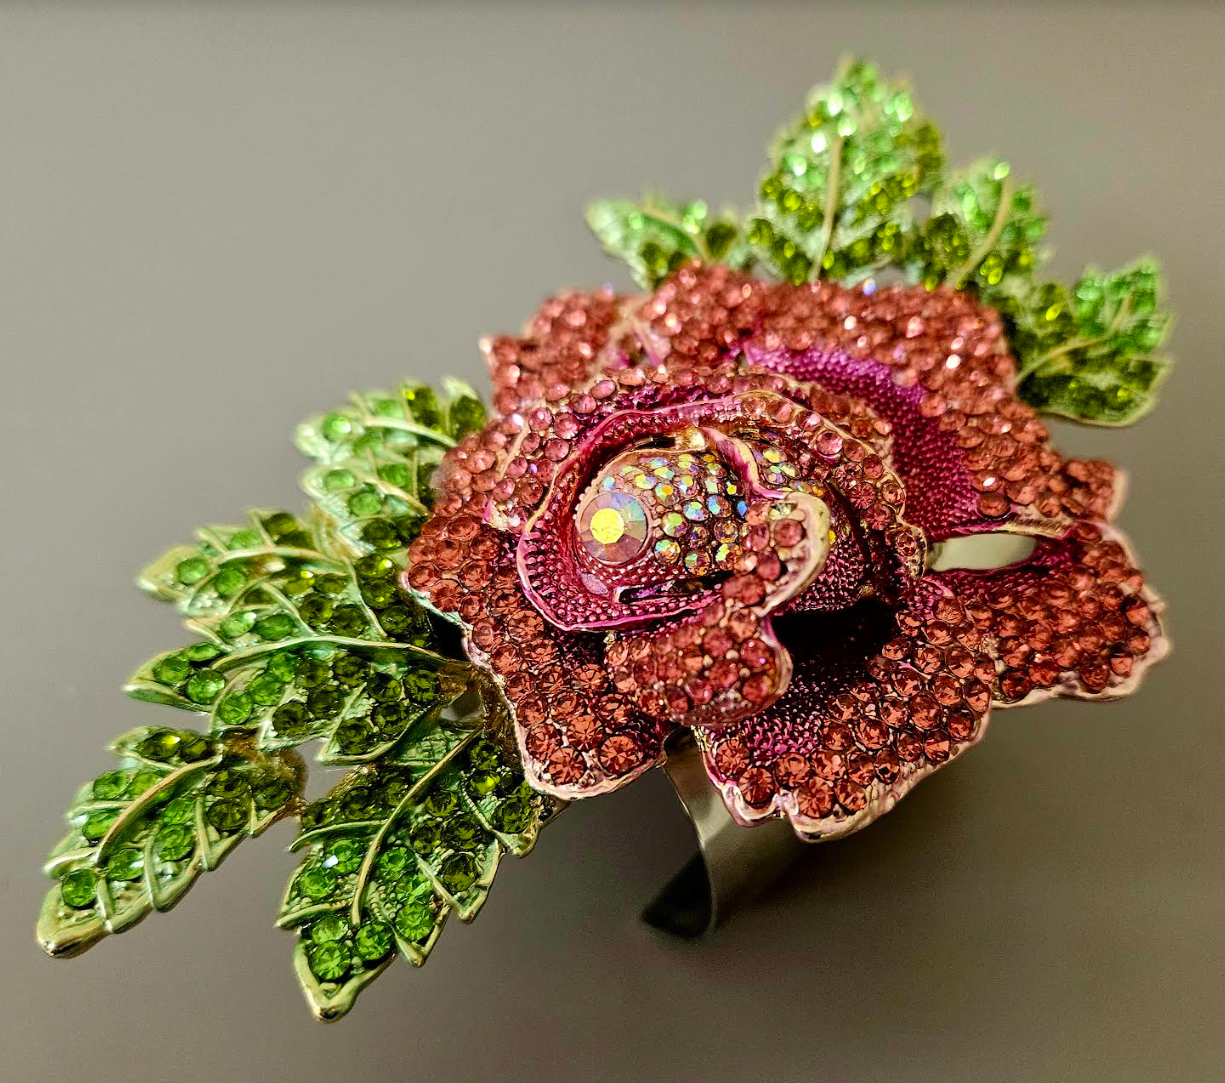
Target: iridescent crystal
613, 527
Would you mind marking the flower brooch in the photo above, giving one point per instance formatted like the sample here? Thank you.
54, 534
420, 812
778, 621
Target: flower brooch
789, 519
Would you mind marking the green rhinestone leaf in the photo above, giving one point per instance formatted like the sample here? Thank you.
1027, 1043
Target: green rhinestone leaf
367, 869
276, 582
655, 236
836, 199
1090, 353
838, 202
302, 609
235, 569
373, 460
141, 834
360, 698
983, 232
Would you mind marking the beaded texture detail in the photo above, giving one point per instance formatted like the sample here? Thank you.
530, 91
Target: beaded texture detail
775, 461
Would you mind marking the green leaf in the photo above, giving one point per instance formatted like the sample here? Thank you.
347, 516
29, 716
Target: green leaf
175, 805
1091, 353
983, 231
359, 697
397, 847
268, 599
277, 580
362, 703
375, 457
836, 199
232, 567
655, 236
305, 634
838, 202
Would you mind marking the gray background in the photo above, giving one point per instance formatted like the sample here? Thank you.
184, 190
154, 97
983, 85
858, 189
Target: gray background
215, 220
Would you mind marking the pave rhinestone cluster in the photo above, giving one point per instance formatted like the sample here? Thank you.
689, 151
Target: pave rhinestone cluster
775, 461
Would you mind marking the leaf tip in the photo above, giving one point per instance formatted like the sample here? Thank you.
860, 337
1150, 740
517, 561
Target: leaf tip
61, 939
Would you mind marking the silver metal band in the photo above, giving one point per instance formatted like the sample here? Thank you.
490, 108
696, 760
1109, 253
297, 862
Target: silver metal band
733, 863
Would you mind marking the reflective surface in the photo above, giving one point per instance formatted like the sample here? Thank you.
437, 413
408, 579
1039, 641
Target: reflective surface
732, 866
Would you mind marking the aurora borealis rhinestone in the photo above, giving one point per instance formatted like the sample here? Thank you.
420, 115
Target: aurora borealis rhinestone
613, 527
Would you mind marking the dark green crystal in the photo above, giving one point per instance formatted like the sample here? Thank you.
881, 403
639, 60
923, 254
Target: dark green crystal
350, 671
441, 802
272, 794
458, 873
426, 836
358, 803
467, 415
226, 817
380, 534
384, 688
291, 719
355, 737
312, 672
161, 745
315, 610
227, 784
374, 566
513, 815
280, 523
331, 584
423, 406
461, 832
324, 702
396, 620
482, 783
484, 755
194, 748
387, 717
348, 621
422, 686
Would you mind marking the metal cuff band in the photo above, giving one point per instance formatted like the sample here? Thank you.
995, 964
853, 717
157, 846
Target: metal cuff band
733, 863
